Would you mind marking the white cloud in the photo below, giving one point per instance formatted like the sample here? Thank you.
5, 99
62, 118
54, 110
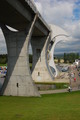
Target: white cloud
74, 29
61, 13
56, 11
39, 6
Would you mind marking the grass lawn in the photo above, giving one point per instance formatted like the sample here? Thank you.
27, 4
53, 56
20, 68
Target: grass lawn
3, 64
62, 106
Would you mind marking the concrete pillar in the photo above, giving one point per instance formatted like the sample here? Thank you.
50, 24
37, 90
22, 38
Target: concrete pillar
18, 80
40, 69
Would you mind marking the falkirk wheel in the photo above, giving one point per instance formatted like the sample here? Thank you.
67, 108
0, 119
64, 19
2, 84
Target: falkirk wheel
57, 35
23, 16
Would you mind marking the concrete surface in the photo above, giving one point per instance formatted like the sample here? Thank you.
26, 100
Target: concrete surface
40, 71
18, 80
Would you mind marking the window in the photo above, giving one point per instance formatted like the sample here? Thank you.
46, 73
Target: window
17, 84
38, 73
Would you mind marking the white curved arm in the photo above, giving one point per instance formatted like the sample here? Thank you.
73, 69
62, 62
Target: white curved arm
58, 38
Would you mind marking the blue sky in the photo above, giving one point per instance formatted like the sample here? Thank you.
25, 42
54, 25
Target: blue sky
64, 13
76, 11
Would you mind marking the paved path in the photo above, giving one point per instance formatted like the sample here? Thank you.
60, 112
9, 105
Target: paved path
58, 91
76, 75
74, 85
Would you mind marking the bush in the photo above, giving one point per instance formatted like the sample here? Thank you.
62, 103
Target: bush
57, 85
3, 59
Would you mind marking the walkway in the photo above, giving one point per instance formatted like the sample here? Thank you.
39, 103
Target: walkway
58, 91
74, 85
76, 75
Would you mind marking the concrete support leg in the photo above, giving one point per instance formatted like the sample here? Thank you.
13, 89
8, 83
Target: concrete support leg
18, 80
40, 71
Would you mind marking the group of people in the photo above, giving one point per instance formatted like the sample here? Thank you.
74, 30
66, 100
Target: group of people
69, 88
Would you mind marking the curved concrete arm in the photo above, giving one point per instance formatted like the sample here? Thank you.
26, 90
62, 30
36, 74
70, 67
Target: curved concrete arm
57, 34
56, 40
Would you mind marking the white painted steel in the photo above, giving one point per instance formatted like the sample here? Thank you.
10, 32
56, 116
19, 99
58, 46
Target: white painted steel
57, 35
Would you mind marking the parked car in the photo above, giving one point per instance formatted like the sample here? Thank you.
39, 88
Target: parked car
65, 69
79, 74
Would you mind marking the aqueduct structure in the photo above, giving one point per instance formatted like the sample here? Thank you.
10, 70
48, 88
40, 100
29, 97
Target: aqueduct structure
23, 16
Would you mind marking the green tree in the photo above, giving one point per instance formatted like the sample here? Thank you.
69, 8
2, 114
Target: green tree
70, 57
58, 60
65, 57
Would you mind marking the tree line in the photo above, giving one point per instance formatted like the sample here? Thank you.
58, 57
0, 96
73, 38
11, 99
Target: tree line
70, 57
67, 57
4, 59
